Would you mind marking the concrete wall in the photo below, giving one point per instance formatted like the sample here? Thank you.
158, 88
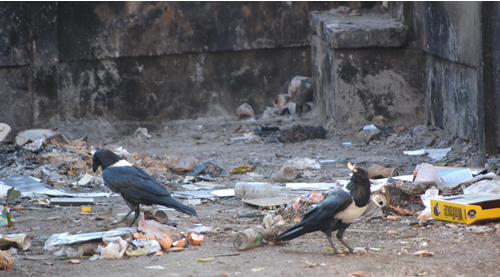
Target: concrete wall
363, 67
147, 61
455, 36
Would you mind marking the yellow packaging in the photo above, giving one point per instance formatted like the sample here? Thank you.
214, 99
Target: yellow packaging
468, 208
86, 209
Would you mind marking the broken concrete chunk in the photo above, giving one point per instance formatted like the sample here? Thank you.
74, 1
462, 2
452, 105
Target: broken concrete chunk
368, 135
245, 111
182, 163
300, 87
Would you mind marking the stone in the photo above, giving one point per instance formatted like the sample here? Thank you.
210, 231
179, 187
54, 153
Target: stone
368, 135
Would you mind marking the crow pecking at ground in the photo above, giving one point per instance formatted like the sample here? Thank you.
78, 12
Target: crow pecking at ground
135, 185
337, 211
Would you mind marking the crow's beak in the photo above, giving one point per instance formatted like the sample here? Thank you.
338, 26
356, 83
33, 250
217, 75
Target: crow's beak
95, 166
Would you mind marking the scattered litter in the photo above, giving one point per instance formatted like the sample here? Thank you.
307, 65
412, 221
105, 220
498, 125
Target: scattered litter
252, 190
200, 229
270, 203
242, 169
285, 174
31, 187
155, 267
485, 186
315, 197
20, 241
459, 175
145, 246
435, 154
470, 208
160, 215
157, 229
370, 127
419, 152
247, 239
394, 217
65, 201
32, 135
4, 131
204, 260
66, 238
326, 161
249, 137
360, 250
257, 269
223, 192
142, 131
85, 180
196, 239
316, 186
359, 273
74, 261
303, 164
200, 194
377, 171
114, 247
427, 199
423, 253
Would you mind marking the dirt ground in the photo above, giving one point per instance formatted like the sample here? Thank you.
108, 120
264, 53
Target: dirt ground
459, 250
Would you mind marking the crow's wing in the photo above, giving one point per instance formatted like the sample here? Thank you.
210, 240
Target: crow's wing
134, 183
335, 202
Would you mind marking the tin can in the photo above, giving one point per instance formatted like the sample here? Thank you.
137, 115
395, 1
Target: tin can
20, 241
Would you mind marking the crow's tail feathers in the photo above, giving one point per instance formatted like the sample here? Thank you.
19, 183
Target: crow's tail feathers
297, 230
172, 203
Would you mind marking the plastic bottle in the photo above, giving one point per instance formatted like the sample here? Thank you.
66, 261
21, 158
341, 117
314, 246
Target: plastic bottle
251, 190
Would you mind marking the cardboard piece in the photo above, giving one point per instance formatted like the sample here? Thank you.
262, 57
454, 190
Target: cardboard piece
199, 194
269, 203
470, 208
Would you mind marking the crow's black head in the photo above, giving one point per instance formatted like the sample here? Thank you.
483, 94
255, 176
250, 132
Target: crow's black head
104, 158
359, 175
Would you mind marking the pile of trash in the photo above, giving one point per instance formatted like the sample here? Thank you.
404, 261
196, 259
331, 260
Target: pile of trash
149, 238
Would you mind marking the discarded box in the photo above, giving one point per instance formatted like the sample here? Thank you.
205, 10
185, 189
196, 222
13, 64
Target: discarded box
470, 208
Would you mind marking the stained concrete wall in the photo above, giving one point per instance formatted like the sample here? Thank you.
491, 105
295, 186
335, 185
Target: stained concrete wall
453, 36
147, 61
363, 67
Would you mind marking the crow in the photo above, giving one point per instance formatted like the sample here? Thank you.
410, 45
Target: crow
337, 211
136, 186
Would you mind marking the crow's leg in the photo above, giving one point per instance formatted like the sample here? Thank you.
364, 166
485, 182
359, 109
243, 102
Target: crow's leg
137, 214
124, 218
335, 252
340, 234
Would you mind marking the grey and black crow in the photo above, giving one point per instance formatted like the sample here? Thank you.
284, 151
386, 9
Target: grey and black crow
136, 186
337, 211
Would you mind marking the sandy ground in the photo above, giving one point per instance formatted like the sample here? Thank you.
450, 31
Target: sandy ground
459, 250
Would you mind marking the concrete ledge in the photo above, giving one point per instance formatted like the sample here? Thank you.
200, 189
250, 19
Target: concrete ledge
371, 29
